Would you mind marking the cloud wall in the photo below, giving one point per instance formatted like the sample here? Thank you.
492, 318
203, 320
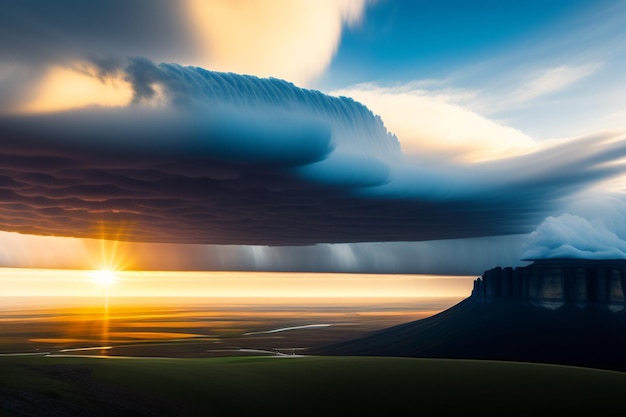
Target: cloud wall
206, 157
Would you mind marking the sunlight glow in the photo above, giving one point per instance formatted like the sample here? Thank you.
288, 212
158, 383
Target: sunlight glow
295, 41
258, 286
75, 87
104, 277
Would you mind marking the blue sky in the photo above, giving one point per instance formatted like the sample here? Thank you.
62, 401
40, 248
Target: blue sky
400, 41
487, 125
491, 49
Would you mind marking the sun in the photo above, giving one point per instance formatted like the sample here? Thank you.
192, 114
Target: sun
104, 277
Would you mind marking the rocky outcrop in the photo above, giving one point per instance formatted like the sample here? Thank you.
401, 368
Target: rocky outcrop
553, 283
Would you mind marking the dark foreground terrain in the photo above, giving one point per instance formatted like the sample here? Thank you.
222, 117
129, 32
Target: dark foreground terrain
588, 337
301, 386
473, 358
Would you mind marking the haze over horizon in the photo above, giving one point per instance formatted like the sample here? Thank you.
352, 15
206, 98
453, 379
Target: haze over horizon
392, 137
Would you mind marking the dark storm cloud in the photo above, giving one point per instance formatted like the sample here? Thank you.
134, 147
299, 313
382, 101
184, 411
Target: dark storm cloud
39, 31
232, 159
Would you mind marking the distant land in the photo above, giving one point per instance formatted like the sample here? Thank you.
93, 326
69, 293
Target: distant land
557, 311
495, 350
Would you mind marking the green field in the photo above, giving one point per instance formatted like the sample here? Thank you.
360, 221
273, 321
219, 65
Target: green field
301, 386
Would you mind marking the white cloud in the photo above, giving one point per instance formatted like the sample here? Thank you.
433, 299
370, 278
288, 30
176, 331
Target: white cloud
571, 236
592, 227
292, 40
428, 122
549, 80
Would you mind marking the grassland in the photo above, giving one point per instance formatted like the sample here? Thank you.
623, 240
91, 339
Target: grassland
301, 386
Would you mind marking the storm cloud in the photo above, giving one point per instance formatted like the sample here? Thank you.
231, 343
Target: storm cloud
40, 31
219, 158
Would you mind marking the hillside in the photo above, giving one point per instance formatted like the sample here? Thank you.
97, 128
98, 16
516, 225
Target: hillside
300, 386
506, 328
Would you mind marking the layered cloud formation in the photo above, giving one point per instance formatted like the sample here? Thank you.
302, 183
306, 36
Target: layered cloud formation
219, 158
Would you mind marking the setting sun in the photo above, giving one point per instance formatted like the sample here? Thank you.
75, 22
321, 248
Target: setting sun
104, 277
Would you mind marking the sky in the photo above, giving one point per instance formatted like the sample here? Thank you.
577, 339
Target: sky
390, 137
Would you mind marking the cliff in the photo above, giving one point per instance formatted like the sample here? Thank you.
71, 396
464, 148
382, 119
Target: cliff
564, 311
553, 283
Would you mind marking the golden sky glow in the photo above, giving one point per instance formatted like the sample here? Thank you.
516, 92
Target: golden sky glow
65, 88
80, 283
104, 277
54, 252
293, 40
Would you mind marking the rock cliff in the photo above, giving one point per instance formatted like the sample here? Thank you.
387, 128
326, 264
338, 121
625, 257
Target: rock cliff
553, 283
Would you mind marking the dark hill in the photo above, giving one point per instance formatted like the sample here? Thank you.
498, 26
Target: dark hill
506, 329
503, 331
